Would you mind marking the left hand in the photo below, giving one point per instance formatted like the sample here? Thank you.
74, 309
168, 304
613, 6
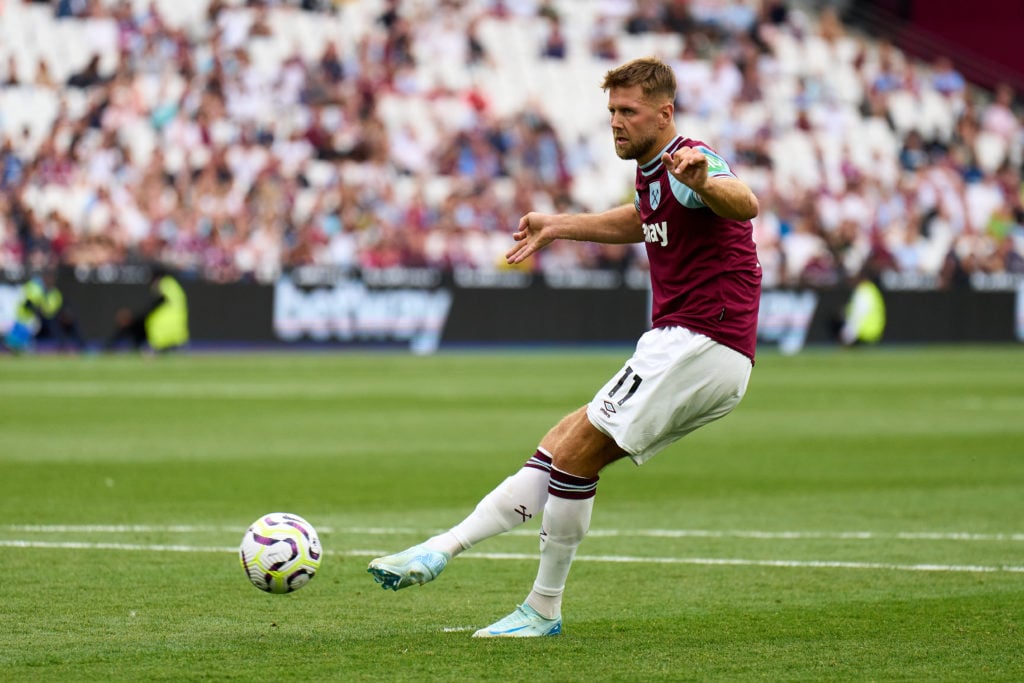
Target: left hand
689, 166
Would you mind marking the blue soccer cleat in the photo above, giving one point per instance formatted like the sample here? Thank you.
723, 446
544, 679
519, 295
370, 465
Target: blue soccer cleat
416, 565
525, 622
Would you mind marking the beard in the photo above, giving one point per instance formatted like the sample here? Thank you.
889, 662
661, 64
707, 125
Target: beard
638, 148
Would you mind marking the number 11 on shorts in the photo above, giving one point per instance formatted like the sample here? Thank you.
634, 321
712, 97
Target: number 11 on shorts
626, 374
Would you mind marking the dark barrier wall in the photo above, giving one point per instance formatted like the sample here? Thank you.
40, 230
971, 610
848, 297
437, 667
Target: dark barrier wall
540, 314
217, 313
958, 316
427, 309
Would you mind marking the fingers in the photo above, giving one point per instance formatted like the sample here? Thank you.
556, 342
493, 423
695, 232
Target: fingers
529, 237
676, 163
518, 253
522, 230
682, 159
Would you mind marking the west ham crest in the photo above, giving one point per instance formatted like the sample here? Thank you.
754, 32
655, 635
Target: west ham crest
655, 195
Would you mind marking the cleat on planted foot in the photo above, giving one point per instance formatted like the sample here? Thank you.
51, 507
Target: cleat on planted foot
525, 622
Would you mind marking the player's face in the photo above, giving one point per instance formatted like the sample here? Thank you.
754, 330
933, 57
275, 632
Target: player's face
637, 124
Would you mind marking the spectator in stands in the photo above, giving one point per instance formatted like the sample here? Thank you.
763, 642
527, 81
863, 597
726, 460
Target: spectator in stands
888, 78
89, 75
331, 65
693, 75
999, 118
476, 51
11, 165
946, 79
604, 40
555, 45
1009, 254
12, 76
70, 8
645, 17
43, 77
676, 17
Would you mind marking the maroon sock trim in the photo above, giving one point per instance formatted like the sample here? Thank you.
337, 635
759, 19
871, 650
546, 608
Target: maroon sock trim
565, 485
539, 461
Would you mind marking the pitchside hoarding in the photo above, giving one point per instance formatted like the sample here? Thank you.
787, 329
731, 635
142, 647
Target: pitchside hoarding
424, 309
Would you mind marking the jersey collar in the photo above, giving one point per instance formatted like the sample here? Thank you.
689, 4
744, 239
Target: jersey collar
654, 164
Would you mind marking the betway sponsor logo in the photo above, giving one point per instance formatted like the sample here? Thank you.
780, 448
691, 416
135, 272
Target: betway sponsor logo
656, 233
350, 311
784, 317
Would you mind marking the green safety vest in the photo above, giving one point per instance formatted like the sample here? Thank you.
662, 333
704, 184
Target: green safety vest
872, 325
167, 326
48, 302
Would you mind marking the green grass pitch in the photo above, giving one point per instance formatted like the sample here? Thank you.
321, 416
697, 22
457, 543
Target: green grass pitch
860, 517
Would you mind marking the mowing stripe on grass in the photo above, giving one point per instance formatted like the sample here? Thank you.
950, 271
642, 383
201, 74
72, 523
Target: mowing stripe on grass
630, 559
594, 533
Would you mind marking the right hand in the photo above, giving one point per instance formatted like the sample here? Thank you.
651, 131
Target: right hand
532, 235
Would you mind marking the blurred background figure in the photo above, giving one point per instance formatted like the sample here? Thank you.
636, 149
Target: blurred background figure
863, 320
41, 316
162, 323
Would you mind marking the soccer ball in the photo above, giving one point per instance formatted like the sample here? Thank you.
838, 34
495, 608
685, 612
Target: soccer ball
280, 552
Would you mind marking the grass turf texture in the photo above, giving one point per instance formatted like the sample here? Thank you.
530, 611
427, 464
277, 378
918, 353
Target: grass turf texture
910, 447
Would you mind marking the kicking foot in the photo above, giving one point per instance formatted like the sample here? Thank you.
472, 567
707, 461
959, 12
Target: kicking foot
415, 565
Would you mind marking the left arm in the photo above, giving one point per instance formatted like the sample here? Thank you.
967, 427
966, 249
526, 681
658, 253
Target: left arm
726, 196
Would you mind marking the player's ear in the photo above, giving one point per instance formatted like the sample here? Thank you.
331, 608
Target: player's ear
666, 114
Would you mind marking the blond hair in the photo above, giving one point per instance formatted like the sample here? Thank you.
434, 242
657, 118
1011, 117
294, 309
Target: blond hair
655, 78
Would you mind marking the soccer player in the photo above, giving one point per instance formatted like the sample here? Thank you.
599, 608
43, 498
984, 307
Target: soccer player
691, 368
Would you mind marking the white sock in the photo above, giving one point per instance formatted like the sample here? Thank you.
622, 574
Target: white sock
515, 501
566, 521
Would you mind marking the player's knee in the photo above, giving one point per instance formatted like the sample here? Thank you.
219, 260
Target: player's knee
582, 449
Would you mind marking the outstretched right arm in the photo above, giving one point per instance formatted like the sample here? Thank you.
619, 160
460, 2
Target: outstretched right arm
620, 225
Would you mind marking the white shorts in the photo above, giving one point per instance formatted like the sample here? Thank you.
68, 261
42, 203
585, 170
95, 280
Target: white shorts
676, 381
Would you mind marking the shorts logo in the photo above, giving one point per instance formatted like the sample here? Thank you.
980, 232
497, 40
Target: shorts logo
654, 194
608, 409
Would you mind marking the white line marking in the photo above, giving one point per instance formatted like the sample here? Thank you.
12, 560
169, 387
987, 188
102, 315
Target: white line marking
739, 562
594, 533
117, 528
81, 545
803, 535
630, 559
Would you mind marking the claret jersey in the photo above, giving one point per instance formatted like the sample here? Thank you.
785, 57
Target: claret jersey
704, 270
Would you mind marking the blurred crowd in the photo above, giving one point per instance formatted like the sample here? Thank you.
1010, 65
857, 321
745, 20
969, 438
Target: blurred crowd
247, 138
